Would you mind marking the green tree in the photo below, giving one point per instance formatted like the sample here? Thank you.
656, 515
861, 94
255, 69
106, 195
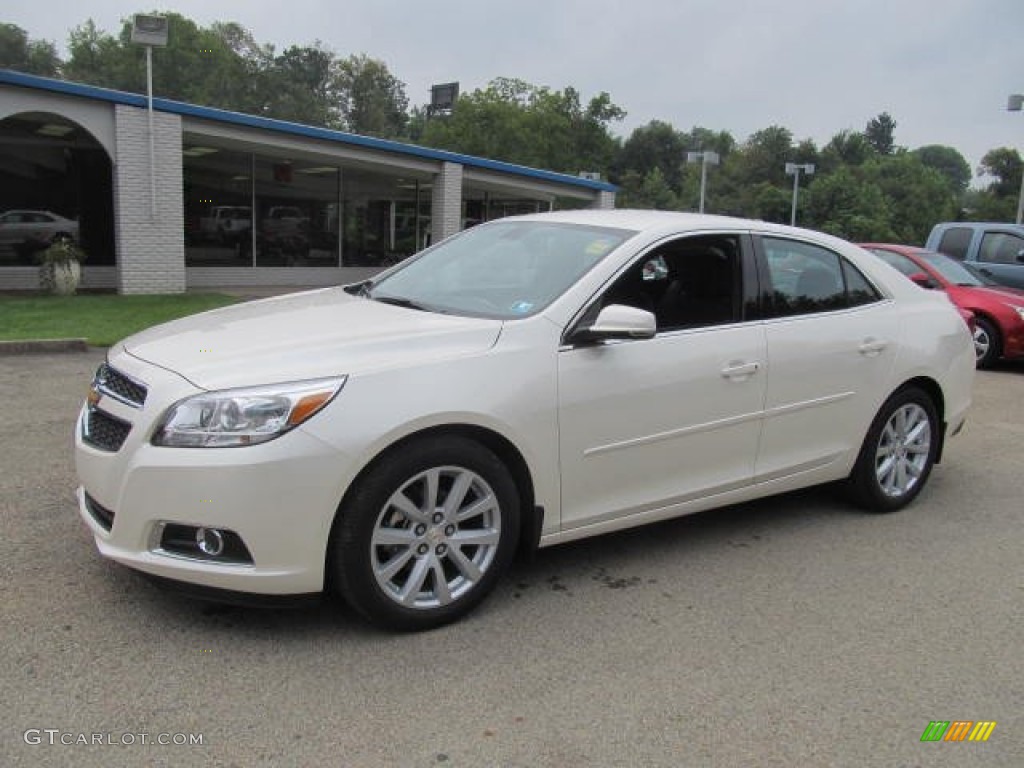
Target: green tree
880, 134
1004, 166
847, 206
34, 57
949, 162
916, 196
518, 122
303, 87
655, 145
700, 138
96, 57
845, 148
764, 155
372, 100
770, 203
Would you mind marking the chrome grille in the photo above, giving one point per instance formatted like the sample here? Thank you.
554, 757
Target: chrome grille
111, 382
103, 431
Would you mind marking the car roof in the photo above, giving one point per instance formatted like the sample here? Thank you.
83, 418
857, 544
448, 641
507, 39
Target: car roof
672, 222
980, 225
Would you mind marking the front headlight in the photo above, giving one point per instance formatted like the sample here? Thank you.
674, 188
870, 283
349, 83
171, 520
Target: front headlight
1018, 310
234, 417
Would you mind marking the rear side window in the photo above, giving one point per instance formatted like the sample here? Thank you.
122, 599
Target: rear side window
955, 242
805, 279
1000, 248
898, 260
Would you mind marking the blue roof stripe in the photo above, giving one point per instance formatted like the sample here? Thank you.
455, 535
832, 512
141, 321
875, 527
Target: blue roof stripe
11, 77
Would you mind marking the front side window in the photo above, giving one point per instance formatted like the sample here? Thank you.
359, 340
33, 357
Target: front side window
952, 270
503, 270
687, 283
1001, 248
805, 278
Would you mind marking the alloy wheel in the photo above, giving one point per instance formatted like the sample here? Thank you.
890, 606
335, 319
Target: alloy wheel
435, 537
903, 451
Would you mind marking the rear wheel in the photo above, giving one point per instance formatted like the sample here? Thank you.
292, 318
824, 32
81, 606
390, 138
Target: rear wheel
426, 533
898, 452
987, 343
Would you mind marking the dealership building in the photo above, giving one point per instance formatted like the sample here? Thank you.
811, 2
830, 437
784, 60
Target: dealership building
182, 196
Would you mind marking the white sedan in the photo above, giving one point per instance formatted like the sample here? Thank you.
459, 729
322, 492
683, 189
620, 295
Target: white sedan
527, 382
39, 228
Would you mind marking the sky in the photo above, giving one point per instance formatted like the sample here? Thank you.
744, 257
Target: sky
942, 68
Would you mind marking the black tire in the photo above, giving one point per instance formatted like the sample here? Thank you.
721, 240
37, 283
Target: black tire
443, 578
878, 486
988, 343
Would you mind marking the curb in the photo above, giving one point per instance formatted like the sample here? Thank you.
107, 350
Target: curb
42, 346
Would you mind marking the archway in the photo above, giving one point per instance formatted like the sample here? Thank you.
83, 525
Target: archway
55, 180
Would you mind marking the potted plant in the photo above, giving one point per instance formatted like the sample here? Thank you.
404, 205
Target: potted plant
60, 268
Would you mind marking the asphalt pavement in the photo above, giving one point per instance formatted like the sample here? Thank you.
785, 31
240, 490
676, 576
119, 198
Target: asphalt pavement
795, 631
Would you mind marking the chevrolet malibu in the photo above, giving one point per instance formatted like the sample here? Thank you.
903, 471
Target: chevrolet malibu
527, 382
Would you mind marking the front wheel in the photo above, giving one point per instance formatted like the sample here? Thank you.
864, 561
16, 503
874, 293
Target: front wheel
898, 452
426, 533
987, 343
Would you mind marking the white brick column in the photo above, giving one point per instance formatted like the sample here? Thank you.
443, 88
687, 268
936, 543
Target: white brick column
150, 245
446, 202
604, 201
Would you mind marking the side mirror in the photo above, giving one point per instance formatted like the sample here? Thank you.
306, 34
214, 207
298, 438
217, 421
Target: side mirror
922, 280
1020, 256
617, 321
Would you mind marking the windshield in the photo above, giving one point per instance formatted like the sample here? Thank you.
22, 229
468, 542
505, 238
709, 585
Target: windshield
951, 269
504, 270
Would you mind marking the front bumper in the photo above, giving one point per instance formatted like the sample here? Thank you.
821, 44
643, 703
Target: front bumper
1013, 340
279, 497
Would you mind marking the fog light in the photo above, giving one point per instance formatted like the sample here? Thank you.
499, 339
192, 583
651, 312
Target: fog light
210, 541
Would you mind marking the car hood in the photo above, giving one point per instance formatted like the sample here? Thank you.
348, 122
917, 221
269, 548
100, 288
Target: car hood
304, 336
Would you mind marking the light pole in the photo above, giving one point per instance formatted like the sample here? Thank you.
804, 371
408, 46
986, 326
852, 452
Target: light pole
705, 159
1014, 104
150, 31
793, 169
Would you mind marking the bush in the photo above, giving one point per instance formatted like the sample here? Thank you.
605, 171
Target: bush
61, 251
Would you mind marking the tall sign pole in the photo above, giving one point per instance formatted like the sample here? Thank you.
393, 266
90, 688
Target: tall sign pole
150, 31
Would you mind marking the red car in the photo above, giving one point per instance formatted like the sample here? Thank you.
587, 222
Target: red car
998, 310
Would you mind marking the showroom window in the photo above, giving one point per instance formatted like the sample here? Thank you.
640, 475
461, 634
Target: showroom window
55, 181
297, 221
218, 206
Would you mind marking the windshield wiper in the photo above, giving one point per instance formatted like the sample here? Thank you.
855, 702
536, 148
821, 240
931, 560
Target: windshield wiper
401, 301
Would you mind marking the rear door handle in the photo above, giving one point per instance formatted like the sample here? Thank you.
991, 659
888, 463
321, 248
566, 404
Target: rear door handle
872, 346
738, 371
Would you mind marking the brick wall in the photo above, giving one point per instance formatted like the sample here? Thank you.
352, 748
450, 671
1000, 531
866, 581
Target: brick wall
604, 201
446, 202
150, 245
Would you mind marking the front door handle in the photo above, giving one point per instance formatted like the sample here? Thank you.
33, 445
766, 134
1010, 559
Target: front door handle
738, 371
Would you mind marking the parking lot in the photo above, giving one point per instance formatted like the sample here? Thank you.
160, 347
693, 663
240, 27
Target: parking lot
795, 631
